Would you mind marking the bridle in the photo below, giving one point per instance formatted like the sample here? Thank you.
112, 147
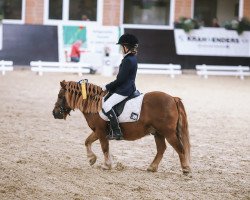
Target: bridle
62, 108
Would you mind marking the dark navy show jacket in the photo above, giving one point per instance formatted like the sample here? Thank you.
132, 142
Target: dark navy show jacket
125, 79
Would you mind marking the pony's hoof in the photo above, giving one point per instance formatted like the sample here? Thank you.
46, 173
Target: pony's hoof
152, 169
92, 160
106, 167
186, 171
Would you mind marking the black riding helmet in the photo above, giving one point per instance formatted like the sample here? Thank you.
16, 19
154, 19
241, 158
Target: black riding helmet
128, 39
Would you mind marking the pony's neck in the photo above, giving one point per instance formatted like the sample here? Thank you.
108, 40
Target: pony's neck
93, 102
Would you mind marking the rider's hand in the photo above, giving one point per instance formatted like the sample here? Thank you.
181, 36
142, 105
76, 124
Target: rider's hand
104, 88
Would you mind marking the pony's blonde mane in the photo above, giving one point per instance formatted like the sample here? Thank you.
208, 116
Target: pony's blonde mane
93, 102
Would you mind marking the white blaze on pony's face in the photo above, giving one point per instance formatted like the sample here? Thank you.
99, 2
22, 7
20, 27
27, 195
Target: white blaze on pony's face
61, 109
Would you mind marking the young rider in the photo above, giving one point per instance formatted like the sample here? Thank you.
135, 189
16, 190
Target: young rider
124, 84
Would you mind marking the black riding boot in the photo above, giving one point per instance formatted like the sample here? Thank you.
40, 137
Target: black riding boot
114, 125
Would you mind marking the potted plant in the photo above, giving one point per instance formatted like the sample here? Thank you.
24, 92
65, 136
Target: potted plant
187, 24
1, 15
238, 25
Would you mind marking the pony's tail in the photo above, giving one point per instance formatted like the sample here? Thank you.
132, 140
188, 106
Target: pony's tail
182, 132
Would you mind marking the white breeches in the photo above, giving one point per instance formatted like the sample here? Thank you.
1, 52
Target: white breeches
112, 101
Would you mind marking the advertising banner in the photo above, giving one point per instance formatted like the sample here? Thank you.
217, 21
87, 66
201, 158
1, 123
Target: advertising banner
101, 38
73, 33
97, 42
212, 42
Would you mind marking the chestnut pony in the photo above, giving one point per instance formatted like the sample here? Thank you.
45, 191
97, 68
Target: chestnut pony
162, 115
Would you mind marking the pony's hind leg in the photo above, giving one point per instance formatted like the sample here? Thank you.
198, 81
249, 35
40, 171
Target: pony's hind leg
161, 147
88, 143
184, 158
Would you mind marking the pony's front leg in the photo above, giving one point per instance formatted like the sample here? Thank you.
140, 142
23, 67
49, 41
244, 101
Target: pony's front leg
88, 143
105, 149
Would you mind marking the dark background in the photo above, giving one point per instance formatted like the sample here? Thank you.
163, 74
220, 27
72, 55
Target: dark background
25, 43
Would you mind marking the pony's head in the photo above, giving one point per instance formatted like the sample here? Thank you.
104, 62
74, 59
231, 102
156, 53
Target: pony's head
61, 109
70, 98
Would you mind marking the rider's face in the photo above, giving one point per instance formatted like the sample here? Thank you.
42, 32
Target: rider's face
123, 49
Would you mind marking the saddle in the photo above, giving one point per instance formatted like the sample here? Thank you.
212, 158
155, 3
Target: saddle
118, 108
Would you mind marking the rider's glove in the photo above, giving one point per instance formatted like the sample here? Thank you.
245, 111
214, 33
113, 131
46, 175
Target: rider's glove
104, 88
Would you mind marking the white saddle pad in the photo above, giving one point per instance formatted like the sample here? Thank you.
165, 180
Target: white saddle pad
131, 111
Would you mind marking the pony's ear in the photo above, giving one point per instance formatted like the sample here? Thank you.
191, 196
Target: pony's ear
63, 84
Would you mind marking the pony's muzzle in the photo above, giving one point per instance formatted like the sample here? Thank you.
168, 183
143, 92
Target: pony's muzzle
57, 115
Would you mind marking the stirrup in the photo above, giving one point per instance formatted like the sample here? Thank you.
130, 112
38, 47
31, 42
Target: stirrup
112, 136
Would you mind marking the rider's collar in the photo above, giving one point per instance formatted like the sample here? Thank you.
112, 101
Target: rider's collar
126, 54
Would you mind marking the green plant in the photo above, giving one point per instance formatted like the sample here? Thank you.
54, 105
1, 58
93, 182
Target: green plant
1, 12
187, 24
1, 16
239, 26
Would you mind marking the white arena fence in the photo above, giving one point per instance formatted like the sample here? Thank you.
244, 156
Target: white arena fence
42, 66
6, 66
219, 70
169, 69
